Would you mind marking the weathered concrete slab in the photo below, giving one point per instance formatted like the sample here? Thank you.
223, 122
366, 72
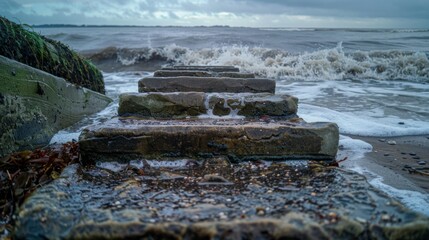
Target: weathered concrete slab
206, 84
277, 201
251, 105
162, 105
205, 68
190, 73
34, 105
191, 104
123, 139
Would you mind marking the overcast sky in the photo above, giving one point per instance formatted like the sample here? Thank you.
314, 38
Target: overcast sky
249, 13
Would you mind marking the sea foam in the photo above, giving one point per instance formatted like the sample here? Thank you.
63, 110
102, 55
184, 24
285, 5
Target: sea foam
325, 64
357, 124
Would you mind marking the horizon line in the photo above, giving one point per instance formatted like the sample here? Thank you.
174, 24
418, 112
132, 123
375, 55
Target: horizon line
206, 26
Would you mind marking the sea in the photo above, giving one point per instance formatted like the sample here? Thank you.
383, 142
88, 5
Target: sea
371, 82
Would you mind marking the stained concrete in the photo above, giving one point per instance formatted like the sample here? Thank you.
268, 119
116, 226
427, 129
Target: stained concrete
122, 139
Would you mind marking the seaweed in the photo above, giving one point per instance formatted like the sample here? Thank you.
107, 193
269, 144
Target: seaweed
22, 173
54, 57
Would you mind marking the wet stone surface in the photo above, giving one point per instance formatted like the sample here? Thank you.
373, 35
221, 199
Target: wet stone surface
214, 199
193, 73
203, 68
124, 139
206, 84
183, 105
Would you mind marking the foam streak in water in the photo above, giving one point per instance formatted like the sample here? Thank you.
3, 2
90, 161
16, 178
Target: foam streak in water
233, 112
352, 123
414, 200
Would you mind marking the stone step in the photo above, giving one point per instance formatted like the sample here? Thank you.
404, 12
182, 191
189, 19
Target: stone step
192, 73
205, 68
206, 84
185, 104
124, 139
213, 200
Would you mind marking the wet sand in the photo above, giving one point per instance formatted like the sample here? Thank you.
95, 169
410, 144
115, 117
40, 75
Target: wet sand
403, 162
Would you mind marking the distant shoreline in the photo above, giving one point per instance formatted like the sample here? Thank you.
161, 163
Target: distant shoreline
107, 26
226, 26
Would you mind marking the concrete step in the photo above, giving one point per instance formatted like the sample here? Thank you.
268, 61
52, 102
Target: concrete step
191, 73
205, 68
192, 104
213, 200
124, 139
206, 84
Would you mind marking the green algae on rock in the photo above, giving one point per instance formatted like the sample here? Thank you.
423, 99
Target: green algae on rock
47, 55
35, 105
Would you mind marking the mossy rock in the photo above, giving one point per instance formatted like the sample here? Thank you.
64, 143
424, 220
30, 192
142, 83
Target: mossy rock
34, 105
48, 55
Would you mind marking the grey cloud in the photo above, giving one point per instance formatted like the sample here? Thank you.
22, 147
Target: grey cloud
141, 10
332, 8
8, 5
353, 8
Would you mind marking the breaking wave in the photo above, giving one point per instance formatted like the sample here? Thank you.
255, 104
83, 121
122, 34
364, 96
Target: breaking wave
326, 64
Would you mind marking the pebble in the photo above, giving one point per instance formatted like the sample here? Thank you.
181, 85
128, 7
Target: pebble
214, 178
386, 154
332, 215
391, 142
421, 162
260, 211
382, 140
361, 220
401, 123
416, 157
412, 153
222, 216
208, 200
385, 217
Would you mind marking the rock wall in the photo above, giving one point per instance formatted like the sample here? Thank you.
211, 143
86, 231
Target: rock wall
34, 105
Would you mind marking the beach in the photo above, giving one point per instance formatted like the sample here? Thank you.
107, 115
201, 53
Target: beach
373, 83
403, 163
